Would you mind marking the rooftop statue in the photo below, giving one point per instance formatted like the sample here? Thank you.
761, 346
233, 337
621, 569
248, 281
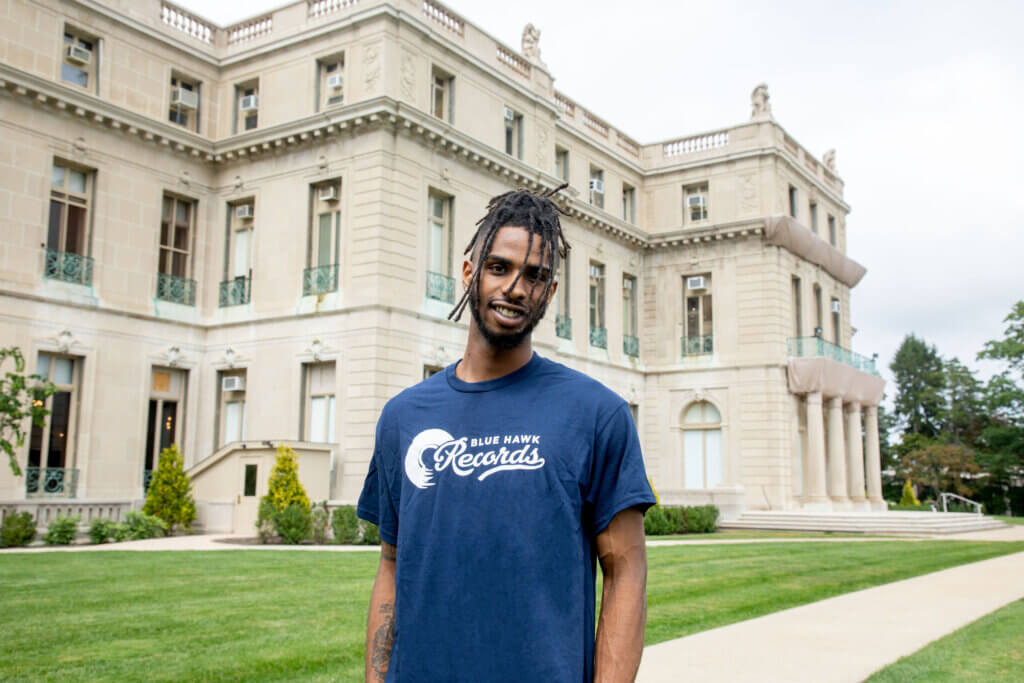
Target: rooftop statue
760, 107
531, 43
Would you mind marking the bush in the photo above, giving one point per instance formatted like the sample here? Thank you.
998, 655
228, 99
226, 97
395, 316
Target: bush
18, 529
908, 495
283, 491
102, 530
139, 526
371, 534
169, 496
656, 522
320, 525
701, 519
265, 521
676, 520
345, 524
62, 531
295, 524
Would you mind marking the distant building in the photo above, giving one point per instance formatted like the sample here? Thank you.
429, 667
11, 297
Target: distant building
232, 238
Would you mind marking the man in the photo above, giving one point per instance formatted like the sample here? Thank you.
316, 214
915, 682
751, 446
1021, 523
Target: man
496, 483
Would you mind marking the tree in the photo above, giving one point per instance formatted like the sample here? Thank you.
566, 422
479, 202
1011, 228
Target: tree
1010, 348
284, 487
170, 492
963, 417
943, 467
21, 397
920, 382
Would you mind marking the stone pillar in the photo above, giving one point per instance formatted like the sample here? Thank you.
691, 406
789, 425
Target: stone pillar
873, 459
855, 457
836, 455
814, 460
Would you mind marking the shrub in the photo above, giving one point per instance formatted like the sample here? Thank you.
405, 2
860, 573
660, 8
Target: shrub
120, 532
345, 524
919, 507
18, 529
61, 531
701, 519
283, 491
320, 525
169, 496
139, 526
102, 530
371, 534
908, 497
295, 524
676, 520
265, 521
656, 522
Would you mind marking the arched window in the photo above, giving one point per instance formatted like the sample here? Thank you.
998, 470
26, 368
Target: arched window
702, 446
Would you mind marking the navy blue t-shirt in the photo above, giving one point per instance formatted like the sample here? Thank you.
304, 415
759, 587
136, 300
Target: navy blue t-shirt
493, 493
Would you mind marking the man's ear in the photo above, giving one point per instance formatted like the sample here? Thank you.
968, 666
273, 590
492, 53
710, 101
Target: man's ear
554, 288
467, 273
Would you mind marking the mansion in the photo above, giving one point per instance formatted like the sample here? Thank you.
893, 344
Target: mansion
232, 238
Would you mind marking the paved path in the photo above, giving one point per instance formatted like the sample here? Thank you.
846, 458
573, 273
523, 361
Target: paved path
842, 639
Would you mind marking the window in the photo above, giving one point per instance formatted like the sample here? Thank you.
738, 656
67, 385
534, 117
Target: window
325, 239
51, 452
598, 331
628, 203
792, 201
68, 227
698, 327
318, 402
166, 410
184, 109
513, 133
231, 387
798, 313
702, 447
247, 101
562, 163
78, 59
431, 370
597, 187
563, 319
330, 81
442, 101
440, 283
814, 218
695, 203
235, 289
173, 283
251, 472
630, 341
832, 230
818, 328
837, 336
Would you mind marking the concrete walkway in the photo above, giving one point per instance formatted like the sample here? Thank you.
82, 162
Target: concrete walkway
846, 638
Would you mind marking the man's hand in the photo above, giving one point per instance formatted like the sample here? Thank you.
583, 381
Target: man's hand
622, 553
380, 626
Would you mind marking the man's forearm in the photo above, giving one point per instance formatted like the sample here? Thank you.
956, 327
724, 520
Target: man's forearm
380, 626
620, 628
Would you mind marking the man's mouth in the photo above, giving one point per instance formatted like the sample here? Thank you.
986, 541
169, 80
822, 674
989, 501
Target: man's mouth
510, 314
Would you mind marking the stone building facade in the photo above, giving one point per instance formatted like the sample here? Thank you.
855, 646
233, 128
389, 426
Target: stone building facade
233, 238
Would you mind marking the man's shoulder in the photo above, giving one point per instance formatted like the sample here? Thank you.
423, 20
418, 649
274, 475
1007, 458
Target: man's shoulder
415, 397
579, 388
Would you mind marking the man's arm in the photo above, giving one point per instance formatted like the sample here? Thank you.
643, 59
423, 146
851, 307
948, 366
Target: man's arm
380, 626
622, 552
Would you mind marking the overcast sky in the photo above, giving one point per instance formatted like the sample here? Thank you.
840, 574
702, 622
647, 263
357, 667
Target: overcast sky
924, 104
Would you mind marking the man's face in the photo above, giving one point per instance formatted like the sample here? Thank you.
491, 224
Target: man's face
506, 315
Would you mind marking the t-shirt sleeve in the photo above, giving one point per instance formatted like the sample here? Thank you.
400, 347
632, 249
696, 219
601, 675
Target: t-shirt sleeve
618, 479
377, 502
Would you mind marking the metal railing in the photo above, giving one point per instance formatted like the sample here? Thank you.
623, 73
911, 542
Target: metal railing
944, 498
57, 482
631, 346
599, 337
147, 477
698, 345
440, 287
816, 347
563, 326
320, 279
177, 290
69, 267
235, 292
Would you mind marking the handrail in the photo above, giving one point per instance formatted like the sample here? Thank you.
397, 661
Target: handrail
944, 497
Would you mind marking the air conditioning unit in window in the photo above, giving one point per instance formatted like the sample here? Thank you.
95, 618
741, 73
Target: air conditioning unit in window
328, 193
244, 211
836, 308
596, 185
249, 103
186, 99
78, 54
510, 115
696, 282
232, 383
336, 81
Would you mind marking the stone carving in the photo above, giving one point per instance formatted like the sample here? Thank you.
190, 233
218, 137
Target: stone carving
830, 160
238, 182
79, 146
316, 349
230, 358
760, 106
371, 67
185, 178
748, 193
531, 43
64, 341
321, 162
174, 356
408, 81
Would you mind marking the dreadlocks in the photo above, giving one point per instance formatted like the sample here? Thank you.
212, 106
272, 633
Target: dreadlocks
539, 215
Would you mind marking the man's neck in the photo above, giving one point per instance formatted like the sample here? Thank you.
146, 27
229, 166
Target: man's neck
482, 361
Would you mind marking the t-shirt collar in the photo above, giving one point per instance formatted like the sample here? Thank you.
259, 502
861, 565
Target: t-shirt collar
491, 384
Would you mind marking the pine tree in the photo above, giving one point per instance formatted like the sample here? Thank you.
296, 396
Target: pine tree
170, 492
284, 487
908, 495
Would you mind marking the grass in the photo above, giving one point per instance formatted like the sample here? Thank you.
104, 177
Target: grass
754, 534
990, 649
1010, 520
292, 615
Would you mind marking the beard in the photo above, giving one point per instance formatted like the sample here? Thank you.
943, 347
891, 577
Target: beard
507, 340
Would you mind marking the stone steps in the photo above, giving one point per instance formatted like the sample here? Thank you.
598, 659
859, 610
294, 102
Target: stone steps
897, 522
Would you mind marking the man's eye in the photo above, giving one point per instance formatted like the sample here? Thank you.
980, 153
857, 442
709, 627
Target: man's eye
497, 268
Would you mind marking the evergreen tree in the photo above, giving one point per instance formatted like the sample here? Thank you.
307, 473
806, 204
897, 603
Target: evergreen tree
920, 382
170, 492
284, 487
963, 417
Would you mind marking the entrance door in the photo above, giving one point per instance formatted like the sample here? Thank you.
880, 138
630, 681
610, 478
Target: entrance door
252, 484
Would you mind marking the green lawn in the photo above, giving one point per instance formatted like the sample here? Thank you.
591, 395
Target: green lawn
754, 534
294, 615
1010, 520
990, 649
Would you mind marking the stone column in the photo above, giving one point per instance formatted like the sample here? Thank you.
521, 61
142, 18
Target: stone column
814, 459
873, 459
836, 455
855, 457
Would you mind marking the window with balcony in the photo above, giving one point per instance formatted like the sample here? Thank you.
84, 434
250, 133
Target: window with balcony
513, 133
814, 217
231, 387
236, 287
597, 187
832, 236
702, 447
330, 90
442, 95
440, 281
698, 321
695, 204
321, 275
318, 406
79, 57
792, 201
174, 282
630, 336
598, 329
67, 233
837, 330
165, 415
185, 100
562, 164
798, 312
247, 106
563, 317
628, 203
819, 329
51, 467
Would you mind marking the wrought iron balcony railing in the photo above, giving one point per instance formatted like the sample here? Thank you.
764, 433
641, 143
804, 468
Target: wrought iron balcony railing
56, 482
599, 337
69, 267
320, 280
235, 292
440, 287
631, 346
816, 347
147, 477
698, 345
563, 326
177, 290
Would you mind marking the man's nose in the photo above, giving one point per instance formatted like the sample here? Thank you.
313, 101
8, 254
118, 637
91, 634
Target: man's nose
517, 290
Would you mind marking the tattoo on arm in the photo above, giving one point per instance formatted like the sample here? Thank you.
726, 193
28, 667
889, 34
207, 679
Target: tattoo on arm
383, 641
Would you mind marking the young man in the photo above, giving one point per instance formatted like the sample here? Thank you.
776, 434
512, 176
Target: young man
497, 483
